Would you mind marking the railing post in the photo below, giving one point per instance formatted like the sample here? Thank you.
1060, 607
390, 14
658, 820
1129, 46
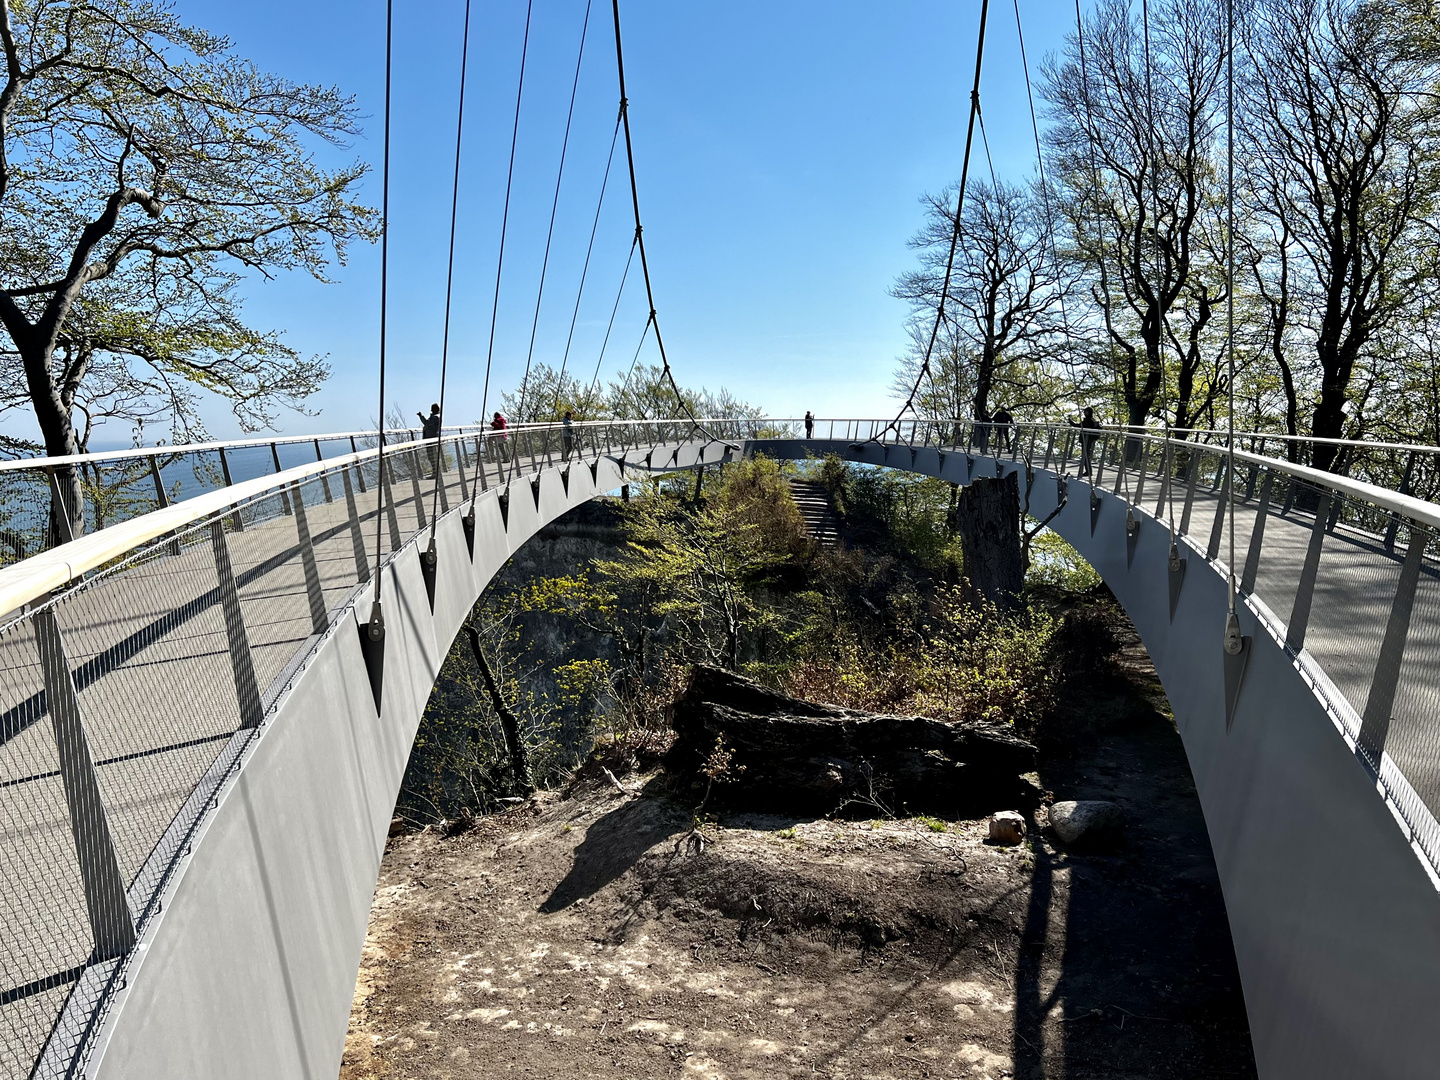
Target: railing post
387, 490
1142, 455
284, 497
1375, 725
242, 666
1404, 489
464, 464
1305, 590
359, 470
324, 479
1257, 535
1217, 529
62, 519
357, 534
1192, 476
319, 616
112, 926
162, 497
1167, 465
160, 494
1097, 461
235, 519
415, 486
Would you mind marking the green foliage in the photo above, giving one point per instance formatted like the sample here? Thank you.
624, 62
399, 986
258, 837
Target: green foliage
1055, 562
146, 169
958, 662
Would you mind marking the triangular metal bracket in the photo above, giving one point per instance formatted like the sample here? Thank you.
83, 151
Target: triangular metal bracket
1177, 578
648, 456
1062, 491
535, 490
565, 480
372, 649
595, 471
969, 468
913, 453
503, 499
1234, 670
1132, 534
468, 521
1094, 509
429, 558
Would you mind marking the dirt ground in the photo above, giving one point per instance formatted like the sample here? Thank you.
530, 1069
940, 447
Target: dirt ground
582, 936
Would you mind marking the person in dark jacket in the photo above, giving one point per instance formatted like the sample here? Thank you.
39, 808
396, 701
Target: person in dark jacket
430, 432
1004, 423
1090, 429
567, 433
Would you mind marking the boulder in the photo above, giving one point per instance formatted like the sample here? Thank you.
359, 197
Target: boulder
796, 756
1007, 827
1088, 824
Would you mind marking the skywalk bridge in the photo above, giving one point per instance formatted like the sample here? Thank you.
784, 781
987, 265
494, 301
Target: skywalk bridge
200, 748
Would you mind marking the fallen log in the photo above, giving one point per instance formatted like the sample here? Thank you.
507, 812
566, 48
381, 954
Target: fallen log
796, 756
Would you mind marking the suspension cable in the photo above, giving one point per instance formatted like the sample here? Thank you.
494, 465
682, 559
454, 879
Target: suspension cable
550, 232
1044, 184
504, 228
438, 467
925, 371
377, 622
1092, 136
595, 379
585, 270
639, 230
625, 386
1164, 328
1232, 628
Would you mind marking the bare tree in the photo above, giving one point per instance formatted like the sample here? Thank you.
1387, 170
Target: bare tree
1134, 139
1002, 324
1344, 127
143, 168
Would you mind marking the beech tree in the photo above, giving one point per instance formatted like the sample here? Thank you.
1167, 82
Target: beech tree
1343, 126
144, 168
1002, 306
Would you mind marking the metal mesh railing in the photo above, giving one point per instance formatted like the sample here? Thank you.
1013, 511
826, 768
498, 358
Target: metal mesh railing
127, 698
1344, 564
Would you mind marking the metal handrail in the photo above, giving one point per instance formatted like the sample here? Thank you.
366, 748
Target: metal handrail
34, 578
288, 440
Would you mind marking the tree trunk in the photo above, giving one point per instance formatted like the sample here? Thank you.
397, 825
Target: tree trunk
519, 764
988, 516
54, 421
797, 756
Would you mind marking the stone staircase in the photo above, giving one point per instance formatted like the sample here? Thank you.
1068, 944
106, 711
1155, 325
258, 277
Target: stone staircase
818, 509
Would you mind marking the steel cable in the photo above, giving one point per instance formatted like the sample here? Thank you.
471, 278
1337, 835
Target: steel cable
550, 231
439, 451
376, 620
585, 270
504, 226
639, 229
925, 371
595, 379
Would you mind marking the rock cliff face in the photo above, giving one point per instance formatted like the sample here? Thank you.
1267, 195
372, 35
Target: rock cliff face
801, 757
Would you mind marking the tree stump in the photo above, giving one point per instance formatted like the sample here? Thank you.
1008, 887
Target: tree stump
794, 756
988, 520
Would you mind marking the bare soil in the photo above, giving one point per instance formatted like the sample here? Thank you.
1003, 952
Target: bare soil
585, 936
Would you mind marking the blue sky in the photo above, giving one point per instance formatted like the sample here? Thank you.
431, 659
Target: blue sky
780, 151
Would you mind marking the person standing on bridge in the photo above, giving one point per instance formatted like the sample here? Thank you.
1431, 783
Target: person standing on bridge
1004, 424
430, 432
567, 433
1089, 431
496, 444
809, 424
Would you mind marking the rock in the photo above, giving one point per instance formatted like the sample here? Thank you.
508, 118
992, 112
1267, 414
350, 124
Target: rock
1007, 827
397, 826
1088, 824
795, 756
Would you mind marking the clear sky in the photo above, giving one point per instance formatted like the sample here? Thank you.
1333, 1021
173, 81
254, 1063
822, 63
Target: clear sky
780, 152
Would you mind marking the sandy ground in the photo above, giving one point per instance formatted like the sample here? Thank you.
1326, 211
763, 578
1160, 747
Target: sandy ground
583, 936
